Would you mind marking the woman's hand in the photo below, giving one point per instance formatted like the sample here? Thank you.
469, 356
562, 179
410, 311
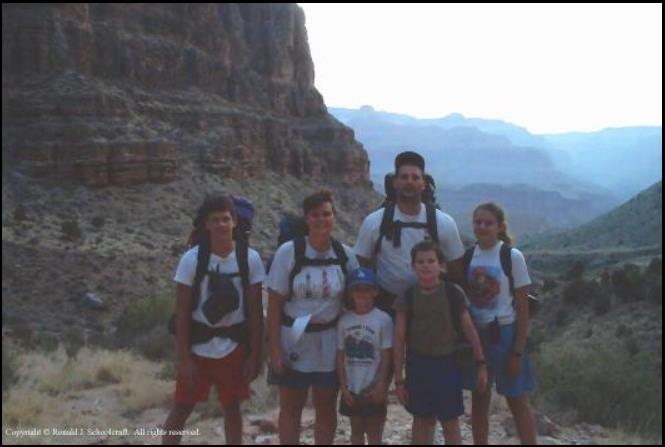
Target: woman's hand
379, 394
348, 397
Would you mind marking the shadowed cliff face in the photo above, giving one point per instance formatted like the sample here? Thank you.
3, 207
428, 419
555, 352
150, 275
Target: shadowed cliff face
123, 94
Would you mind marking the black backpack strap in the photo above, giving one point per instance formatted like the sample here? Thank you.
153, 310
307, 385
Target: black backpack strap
340, 253
432, 223
242, 258
507, 266
386, 228
202, 261
466, 262
299, 245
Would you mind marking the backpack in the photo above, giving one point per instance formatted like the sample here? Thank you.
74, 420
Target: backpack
200, 237
463, 353
392, 230
507, 267
290, 227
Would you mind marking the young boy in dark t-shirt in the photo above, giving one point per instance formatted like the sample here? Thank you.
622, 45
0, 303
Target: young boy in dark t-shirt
425, 331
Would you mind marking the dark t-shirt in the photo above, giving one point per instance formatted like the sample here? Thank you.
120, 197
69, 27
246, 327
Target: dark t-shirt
432, 330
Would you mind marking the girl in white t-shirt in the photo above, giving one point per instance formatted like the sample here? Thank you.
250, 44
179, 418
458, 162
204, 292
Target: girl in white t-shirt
502, 321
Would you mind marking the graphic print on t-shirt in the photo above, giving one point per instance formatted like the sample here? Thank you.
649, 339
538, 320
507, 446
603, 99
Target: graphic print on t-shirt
484, 286
359, 348
223, 297
317, 283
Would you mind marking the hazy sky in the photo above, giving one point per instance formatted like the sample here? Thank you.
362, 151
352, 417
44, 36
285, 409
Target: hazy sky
549, 68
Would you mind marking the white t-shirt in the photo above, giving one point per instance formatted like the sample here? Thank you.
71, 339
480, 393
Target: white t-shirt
317, 291
218, 347
489, 288
394, 272
363, 339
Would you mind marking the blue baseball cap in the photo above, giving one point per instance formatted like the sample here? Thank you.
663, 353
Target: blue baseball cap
362, 276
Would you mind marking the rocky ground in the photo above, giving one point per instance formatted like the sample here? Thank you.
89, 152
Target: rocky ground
261, 428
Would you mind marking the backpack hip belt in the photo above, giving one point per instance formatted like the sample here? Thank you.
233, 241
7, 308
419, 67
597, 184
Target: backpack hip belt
311, 327
202, 333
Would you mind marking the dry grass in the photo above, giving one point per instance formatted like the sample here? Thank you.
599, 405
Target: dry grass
54, 390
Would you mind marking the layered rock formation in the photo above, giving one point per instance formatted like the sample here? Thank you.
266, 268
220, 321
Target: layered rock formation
118, 94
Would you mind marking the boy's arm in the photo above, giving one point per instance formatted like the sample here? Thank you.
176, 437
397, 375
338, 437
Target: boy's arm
471, 335
341, 370
399, 346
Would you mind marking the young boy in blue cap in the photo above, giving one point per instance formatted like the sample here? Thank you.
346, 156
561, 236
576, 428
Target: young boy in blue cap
364, 351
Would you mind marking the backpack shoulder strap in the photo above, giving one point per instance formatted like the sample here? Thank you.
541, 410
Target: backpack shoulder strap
299, 245
386, 228
202, 261
458, 302
432, 226
507, 265
466, 262
242, 257
340, 253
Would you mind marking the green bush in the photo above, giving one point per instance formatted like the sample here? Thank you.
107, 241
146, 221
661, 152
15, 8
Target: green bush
70, 230
601, 304
9, 368
576, 272
611, 387
581, 293
141, 316
549, 284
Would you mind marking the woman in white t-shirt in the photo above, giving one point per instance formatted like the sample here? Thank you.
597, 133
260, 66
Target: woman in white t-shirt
500, 312
306, 289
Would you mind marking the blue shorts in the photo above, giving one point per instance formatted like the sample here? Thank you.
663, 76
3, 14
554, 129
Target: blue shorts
496, 356
434, 384
303, 380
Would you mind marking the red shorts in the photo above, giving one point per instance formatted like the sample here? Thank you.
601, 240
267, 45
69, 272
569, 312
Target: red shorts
225, 373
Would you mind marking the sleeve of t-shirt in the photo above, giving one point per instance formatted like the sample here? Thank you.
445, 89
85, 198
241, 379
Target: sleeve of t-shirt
387, 331
400, 303
367, 236
520, 273
257, 273
449, 238
186, 270
459, 300
278, 278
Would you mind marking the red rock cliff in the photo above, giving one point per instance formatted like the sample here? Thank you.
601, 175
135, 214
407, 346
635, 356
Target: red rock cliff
128, 93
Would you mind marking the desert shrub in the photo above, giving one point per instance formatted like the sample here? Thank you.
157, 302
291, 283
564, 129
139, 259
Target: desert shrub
9, 367
549, 284
20, 214
611, 386
136, 324
655, 267
98, 221
601, 303
70, 230
576, 272
581, 293
627, 283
